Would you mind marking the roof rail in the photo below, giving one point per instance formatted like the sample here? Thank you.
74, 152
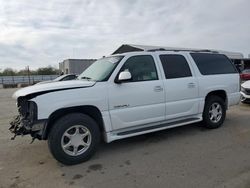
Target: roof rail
181, 50
157, 49
212, 51
137, 48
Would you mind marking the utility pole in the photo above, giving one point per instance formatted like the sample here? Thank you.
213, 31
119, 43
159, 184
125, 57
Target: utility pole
28, 73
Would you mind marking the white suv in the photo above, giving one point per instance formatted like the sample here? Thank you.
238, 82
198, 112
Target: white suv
125, 95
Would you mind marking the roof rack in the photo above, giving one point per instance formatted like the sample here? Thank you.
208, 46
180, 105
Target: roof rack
181, 50
136, 48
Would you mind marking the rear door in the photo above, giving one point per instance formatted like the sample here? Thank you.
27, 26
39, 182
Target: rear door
181, 86
140, 100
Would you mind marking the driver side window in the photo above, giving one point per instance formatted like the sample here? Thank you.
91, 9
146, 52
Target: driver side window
142, 68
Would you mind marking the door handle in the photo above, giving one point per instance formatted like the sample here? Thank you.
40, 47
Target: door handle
191, 85
158, 89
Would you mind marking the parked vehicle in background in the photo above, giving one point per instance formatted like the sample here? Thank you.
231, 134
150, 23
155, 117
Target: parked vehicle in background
64, 77
127, 94
245, 75
245, 92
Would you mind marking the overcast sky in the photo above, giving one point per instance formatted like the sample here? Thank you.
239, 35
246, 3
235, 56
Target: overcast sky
44, 32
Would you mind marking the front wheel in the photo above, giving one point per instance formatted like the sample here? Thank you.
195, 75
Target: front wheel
74, 138
214, 112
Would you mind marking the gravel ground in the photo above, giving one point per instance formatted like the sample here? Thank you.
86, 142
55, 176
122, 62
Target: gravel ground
188, 156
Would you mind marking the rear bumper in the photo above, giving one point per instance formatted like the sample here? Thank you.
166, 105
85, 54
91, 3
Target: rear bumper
234, 98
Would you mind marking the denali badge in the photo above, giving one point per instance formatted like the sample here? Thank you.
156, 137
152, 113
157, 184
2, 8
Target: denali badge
122, 106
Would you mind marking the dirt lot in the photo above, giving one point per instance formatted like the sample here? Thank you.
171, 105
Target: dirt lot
189, 156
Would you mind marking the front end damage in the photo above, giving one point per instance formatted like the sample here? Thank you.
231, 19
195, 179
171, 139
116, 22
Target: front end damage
26, 121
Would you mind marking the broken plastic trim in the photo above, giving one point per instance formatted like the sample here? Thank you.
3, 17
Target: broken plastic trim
16, 127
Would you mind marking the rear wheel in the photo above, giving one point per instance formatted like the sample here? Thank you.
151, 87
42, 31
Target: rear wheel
214, 112
74, 138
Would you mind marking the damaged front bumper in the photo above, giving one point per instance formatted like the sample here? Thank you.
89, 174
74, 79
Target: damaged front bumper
26, 121
22, 126
16, 128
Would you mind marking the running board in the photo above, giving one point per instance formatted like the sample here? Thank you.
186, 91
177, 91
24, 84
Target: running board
144, 129
156, 126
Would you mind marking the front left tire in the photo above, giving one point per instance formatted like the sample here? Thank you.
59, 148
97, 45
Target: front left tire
74, 138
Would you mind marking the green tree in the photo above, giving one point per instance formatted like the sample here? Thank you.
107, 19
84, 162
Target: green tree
8, 72
47, 71
24, 72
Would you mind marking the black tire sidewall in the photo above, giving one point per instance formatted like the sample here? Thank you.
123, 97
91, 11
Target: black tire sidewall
206, 120
64, 123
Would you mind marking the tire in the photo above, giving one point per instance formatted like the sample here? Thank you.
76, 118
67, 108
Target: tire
74, 138
214, 112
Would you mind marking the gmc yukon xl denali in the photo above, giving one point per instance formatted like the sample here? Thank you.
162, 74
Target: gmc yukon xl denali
127, 94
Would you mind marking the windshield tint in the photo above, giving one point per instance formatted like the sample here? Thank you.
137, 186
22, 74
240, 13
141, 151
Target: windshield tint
101, 69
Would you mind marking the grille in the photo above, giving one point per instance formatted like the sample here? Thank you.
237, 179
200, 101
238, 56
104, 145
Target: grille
247, 91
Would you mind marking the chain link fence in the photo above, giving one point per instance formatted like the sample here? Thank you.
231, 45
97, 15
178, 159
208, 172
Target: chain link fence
32, 79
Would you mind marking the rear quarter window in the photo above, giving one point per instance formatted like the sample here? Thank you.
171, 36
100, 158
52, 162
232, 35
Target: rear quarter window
209, 64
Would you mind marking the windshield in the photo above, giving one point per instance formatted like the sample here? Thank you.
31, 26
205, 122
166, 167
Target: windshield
101, 69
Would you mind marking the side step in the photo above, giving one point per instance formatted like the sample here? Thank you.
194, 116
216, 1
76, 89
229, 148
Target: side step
164, 125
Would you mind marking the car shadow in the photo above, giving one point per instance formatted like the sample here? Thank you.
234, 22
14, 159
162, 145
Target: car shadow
151, 138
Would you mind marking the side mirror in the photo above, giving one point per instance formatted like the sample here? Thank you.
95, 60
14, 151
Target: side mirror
124, 76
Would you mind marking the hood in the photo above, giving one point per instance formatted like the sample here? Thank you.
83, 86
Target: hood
246, 84
52, 87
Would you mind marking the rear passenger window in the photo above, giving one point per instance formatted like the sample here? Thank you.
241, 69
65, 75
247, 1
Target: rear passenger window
175, 66
210, 64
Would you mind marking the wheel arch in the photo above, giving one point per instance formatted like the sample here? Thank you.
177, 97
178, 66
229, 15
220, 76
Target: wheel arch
220, 93
89, 110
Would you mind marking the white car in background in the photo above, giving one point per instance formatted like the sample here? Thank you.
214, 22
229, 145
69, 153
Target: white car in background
64, 77
245, 92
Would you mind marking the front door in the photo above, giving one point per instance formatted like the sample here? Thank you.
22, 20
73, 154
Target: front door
140, 100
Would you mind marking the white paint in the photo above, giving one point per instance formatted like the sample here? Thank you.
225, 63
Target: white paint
246, 84
133, 104
52, 86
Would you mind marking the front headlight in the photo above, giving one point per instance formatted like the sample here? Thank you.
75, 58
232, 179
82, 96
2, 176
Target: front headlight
27, 109
32, 111
22, 106
243, 89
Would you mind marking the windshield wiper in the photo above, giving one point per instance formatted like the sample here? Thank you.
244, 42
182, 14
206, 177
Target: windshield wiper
87, 78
